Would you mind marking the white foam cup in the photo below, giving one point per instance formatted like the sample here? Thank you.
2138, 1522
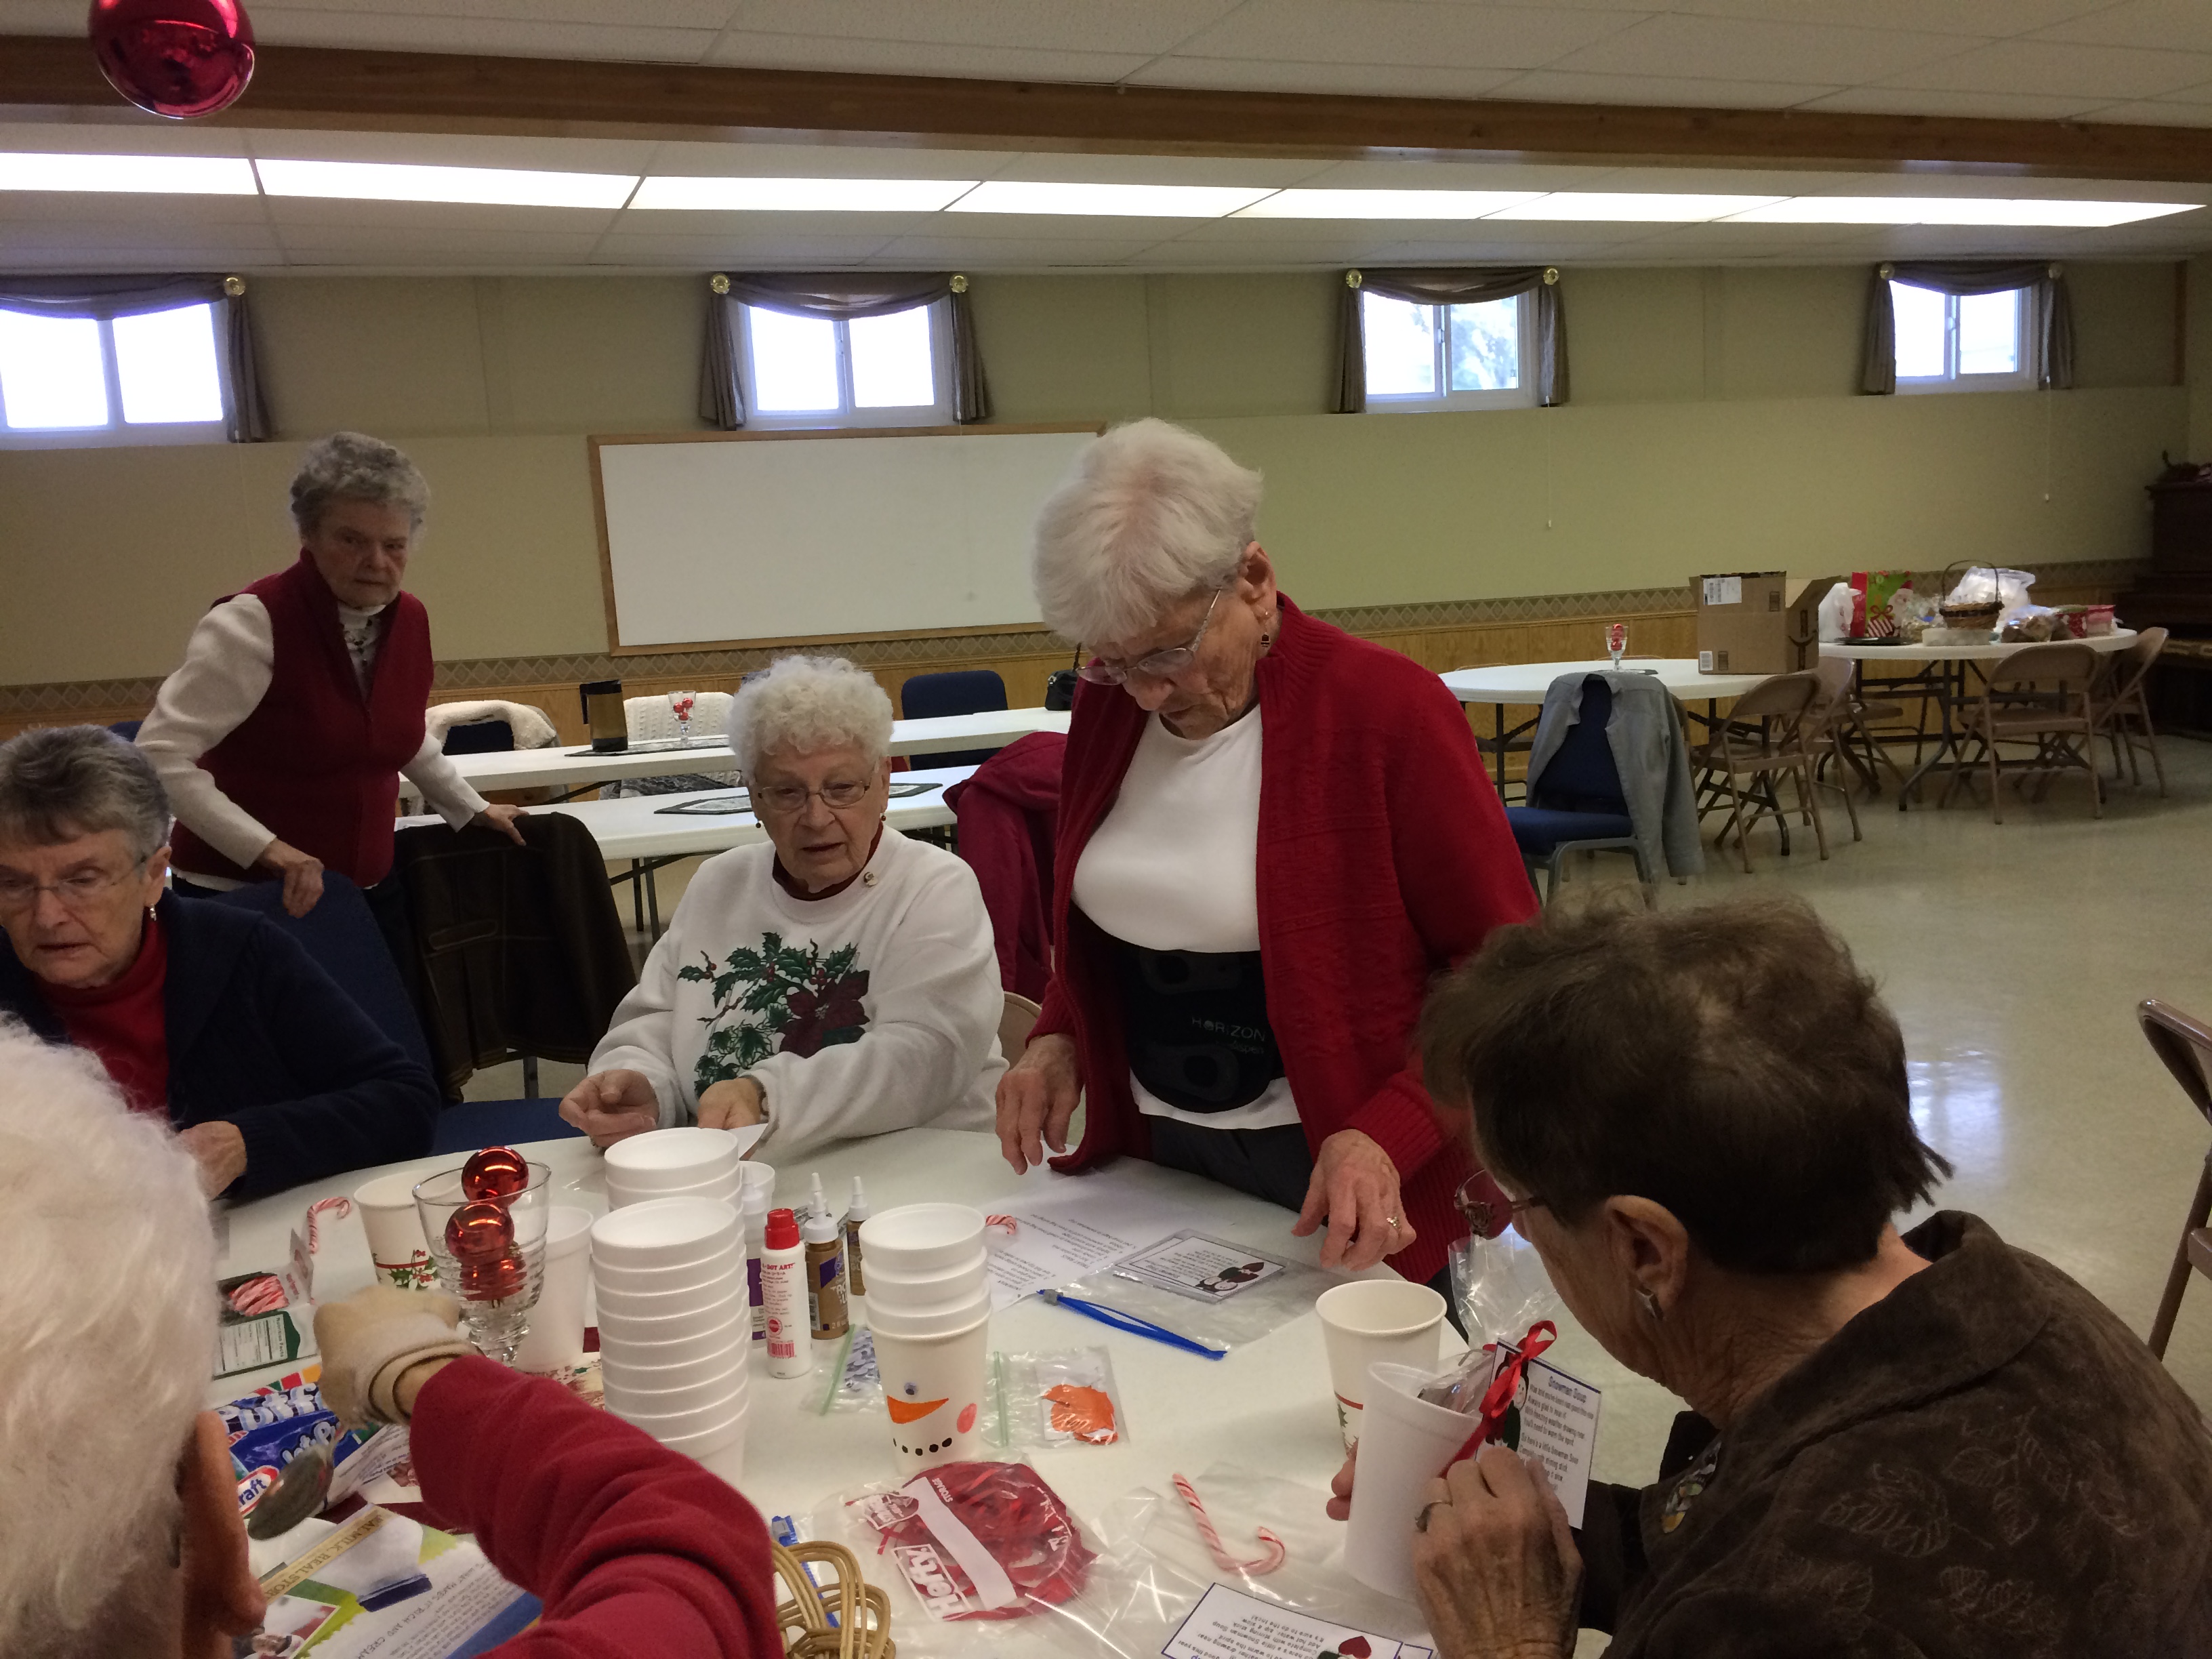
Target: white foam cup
665, 1402
727, 1461
615, 1368
621, 1194
641, 1353
651, 1281
933, 1391
920, 1238
1374, 1321
555, 1336
917, 1290
673, 1157
709, 1444
625, 1330
698, 1419
756, 1177
664, 1305
667, 1232
397, 1244
1407, 1444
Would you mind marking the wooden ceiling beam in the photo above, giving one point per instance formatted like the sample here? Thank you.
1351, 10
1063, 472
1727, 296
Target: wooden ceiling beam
53, 77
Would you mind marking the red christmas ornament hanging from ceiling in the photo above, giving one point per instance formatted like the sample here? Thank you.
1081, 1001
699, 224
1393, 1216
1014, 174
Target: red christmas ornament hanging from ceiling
175, 57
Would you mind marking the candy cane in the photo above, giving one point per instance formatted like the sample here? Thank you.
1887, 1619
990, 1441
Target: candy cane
341, 1205
1267, 1563
260, 1295
1005, 1224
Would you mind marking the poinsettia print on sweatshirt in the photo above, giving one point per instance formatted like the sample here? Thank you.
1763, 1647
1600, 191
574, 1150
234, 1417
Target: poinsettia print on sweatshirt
874, 1009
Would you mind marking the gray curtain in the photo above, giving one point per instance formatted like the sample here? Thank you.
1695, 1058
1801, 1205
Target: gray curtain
841, 294
1462, 286
2054, 312
110, 297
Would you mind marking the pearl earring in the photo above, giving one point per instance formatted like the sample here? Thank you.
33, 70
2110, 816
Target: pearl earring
1649, 1303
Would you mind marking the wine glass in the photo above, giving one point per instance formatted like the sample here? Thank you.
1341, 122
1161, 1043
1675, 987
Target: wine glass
504, 1269
1616, 641
680, 703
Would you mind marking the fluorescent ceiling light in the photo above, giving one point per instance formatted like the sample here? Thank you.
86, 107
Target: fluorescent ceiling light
1133, 201
1385, 203
802, 195
151, 175
385, 181
1631, 207
1954, 210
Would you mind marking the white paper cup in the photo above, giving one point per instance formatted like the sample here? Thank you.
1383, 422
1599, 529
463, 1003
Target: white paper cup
922, 1238
673, 1157
665, 1402
1407, 1444
395, 1242
651, 1281
666, 1304
639, 1354
615, 1368
555, 1336
668, 1232
919, 1290
627, 1330
933, 1392
1370, 1322
621, 1194
699, 1419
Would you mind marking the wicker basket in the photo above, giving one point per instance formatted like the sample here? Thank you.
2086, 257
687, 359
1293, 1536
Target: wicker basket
861, 1612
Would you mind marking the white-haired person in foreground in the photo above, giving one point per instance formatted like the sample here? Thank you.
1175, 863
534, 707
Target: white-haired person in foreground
120, 1532
840, 981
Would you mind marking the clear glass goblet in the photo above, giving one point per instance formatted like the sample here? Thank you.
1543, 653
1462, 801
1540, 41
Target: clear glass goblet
495, 1323
680, 704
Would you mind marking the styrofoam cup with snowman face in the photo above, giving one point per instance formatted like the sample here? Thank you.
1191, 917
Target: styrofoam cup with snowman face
933, 1391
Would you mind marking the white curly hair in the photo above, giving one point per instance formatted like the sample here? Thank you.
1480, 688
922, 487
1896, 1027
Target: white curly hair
352, 466
808, 704
1151, 514
109, 1307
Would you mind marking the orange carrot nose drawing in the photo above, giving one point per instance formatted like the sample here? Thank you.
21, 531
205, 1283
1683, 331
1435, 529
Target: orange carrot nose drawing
1086, 1414
909, 1411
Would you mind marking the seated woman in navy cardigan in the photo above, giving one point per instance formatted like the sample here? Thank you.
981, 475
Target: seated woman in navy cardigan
202, 1013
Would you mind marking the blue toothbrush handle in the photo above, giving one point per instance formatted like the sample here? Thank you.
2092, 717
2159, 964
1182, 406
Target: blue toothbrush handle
1137, 1327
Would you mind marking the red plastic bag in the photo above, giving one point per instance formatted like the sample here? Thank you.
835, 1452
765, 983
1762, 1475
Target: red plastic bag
980, 1540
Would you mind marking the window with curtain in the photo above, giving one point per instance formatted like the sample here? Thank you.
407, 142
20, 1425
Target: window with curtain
1445, 357
1963, 341
892, 370
150, 377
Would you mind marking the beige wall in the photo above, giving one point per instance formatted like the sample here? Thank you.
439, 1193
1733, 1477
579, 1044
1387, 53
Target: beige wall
1712, 426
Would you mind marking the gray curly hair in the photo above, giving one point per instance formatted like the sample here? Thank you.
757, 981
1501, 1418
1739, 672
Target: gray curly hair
352, 466
809, 704
58, 782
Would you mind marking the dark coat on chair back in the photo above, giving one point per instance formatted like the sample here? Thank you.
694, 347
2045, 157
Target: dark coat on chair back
261, 1037
520, 950
1006, 814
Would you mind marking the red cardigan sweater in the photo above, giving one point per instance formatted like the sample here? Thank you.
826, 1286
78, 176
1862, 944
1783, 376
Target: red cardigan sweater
635, 1551
1384, 857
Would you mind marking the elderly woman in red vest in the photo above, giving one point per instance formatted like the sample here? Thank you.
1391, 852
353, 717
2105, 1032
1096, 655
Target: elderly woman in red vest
282, 738
1271, 835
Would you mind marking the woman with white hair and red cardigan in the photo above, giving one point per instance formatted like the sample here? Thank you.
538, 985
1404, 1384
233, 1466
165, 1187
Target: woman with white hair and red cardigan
1271, 835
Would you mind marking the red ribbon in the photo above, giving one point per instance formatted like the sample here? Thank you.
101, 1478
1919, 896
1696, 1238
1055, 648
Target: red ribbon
1498, 1399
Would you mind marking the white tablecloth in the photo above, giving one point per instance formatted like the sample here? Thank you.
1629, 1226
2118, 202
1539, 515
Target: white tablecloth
1527, 682
2119, 640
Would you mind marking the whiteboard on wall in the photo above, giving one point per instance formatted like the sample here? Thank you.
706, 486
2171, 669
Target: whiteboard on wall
785, 537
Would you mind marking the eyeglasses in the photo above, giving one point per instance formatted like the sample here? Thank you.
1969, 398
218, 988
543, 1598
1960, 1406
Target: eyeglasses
1159, 664
1478, 1212
788, 797
77, 893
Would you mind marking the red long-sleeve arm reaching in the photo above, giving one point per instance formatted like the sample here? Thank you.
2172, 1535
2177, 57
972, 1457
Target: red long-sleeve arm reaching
635, 1551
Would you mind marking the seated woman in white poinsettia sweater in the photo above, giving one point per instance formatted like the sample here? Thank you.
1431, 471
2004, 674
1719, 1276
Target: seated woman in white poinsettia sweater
840, 981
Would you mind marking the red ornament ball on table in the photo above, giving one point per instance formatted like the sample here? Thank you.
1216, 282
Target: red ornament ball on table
495, 1172
176, 58
493, 1280
481, 1231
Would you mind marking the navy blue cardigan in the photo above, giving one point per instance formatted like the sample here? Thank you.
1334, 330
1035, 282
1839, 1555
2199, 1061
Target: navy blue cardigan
261, 1037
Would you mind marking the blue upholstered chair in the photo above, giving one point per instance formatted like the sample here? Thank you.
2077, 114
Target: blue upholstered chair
971, 691
1575, 803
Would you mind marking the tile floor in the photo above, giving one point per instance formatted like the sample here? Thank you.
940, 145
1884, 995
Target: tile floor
2013, 956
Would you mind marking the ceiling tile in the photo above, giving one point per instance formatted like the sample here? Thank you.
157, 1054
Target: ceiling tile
115, 244
339, 244
770, 227
1355, 80
823, 161
2165, 112
2193, 95
157, 215
1402, 32
2154, 24
1048, 167
1466, 176
969, 228
613, 155
440, 30
1747, 49
641, 15
2043, 66
2000, 105
309, 213
827, 52
1146, 27
753, 250
41, 17
1009, 252
1966, 17
152, 136
1563, 87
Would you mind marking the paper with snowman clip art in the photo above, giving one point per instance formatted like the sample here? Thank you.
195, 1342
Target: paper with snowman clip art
933, 1409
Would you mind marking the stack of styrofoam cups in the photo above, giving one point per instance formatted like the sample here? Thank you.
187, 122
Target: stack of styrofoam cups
675, 1335
756, 1196
690, 1163
1405, 1443
555, 1336
929, 1311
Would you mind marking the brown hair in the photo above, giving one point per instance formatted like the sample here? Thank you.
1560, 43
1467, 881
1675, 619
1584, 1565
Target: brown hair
1728, 1061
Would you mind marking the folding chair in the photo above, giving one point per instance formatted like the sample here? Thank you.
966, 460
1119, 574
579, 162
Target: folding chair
2120, 708
2185, 1046
1765, 737
2038, 694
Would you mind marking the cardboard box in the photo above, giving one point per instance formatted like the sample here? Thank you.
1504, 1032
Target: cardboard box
1758, 621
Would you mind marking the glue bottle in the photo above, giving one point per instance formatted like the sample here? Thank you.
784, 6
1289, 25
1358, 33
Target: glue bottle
825, 1270
856, 1211
755, 1201
783, 1296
